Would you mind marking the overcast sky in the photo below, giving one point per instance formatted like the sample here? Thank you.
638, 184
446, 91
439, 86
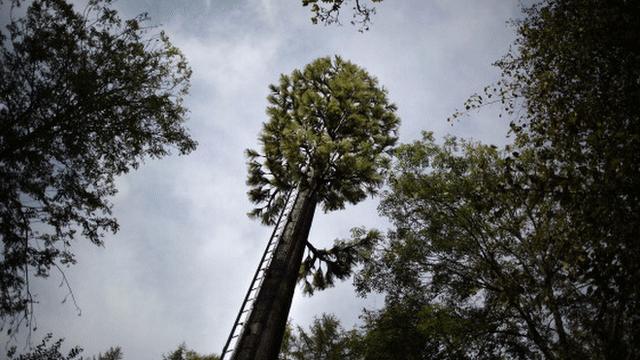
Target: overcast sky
183, 259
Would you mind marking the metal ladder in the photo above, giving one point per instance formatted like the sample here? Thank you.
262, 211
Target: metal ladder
258, 277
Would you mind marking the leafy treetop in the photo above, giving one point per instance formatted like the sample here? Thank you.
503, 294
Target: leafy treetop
535, 248
330, 130
184, 353
473, 244
84, 97
570, 87
325, 339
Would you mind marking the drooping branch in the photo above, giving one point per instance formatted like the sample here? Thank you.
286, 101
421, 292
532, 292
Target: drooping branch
327, 12
338, 261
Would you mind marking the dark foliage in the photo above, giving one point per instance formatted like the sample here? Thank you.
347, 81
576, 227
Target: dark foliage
47, 351
183, 353
84, 97
325, 339
532, 249
328, 12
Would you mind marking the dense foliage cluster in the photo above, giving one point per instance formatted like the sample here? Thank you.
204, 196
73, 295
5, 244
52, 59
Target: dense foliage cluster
84, 97
325, 339
487, 265
48, 350
330, 130
577, 72
183, 353
531, 251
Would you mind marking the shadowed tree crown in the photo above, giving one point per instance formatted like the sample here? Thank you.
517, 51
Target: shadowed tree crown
330, 129
85, 96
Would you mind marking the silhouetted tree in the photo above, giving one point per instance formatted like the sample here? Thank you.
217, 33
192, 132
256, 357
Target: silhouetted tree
114, 353
183, 353
47, 350
84, 97
324, 340
328, 11
482, 265
531, 251
570, 89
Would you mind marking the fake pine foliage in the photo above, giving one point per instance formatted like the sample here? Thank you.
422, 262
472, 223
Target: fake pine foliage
330, 129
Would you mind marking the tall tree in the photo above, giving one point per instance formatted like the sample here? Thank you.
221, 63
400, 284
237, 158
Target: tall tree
577, 72
84, 97
329, 135
574, 72
484, 264
534, 247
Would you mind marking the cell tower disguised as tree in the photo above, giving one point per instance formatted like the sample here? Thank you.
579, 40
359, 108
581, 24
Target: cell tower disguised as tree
329, 135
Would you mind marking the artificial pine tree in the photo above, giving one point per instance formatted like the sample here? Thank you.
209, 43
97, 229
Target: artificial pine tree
329, 134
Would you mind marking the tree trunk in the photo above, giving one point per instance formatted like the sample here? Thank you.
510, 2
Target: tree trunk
263, 332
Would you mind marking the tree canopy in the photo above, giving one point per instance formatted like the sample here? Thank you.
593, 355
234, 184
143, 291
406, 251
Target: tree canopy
325, 339
47, 349
487, 264
330, 129
84, 97
577, 74
183, 353
329, 134
529, 251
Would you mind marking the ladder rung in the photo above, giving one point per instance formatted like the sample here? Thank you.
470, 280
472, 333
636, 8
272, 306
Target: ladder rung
268, 257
